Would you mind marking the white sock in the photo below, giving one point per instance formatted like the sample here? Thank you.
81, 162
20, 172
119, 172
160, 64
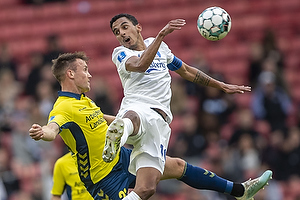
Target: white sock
132, 196
128, 130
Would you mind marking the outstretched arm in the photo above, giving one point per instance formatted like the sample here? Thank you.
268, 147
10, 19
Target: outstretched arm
46, 133
55, 197
197, 76
109, 118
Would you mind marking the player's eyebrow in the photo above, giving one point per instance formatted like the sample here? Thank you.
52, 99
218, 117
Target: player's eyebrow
120, 26
85, 66
123, 23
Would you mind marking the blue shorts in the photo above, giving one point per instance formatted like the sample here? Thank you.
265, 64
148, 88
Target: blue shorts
115, 185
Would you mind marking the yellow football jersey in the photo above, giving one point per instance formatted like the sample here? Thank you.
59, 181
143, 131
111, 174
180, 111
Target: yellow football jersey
65, 177
83, 130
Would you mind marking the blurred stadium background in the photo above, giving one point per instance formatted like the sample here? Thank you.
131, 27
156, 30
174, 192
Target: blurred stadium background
236, 136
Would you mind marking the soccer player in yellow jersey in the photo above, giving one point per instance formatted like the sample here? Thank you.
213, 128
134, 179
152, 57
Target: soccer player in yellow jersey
66, 178
82, 126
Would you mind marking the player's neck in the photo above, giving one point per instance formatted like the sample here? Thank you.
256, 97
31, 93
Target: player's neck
139, 45
72, 89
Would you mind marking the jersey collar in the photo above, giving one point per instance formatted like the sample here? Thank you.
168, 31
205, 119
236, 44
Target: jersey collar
70, 94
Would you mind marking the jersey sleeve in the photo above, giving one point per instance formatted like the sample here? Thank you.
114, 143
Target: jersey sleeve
60, 114
168, 52
119, 57
59, 181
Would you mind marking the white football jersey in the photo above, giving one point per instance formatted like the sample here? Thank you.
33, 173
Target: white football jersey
152, 87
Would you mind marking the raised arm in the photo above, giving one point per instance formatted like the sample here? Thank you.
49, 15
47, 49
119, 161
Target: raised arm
46, 133
141, 64
197, 76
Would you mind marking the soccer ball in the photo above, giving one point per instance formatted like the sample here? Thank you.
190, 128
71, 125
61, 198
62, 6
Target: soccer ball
214, 23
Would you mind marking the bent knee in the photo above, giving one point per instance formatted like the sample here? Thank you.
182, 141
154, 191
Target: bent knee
131, 115
135, 119
177, 163
174, 168
180, 163
145, 192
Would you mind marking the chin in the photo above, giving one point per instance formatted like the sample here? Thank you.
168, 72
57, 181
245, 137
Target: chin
86, 90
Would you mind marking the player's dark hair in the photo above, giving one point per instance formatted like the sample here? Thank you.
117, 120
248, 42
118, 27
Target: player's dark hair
64, 61
128, 16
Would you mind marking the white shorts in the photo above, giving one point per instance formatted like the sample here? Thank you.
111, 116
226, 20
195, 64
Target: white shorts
151, 142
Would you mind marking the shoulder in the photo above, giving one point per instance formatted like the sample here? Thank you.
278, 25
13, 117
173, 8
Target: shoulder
63, 102
121, 54
62, 106
119, 49
149, 40
116, 49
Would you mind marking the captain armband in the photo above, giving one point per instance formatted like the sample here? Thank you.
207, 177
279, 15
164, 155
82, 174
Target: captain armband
175, 64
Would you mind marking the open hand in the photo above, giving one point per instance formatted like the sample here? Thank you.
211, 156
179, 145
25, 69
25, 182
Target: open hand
231, 89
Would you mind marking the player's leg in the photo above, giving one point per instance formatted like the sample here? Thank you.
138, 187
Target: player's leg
196, 177
203, 179
147, 179
148, 155
118, 132
174, 168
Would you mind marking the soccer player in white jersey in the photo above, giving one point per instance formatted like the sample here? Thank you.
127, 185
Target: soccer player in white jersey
144, 116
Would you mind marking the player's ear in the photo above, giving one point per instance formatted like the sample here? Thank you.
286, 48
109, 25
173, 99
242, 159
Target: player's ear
139, 27
70, 73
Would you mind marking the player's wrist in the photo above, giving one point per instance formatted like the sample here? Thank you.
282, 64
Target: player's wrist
161, 34
221, 85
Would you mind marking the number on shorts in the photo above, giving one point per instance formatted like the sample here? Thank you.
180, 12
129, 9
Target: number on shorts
163, 151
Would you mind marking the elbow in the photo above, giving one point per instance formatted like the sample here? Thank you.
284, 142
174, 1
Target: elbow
137, 67
141, 68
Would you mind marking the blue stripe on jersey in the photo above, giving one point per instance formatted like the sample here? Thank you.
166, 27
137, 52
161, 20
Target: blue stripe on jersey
69, 192
115, 185
83, 152
175, 64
